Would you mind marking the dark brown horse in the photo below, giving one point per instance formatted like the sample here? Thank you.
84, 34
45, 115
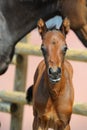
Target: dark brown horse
18, 17
76, 11
53, 89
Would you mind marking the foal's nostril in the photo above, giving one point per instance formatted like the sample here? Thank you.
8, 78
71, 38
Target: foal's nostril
50, 71
59, 70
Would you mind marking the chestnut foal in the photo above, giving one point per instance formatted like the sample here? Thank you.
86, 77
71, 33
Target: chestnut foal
53, 90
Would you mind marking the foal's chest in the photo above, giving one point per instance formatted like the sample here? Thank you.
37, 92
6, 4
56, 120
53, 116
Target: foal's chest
45, 107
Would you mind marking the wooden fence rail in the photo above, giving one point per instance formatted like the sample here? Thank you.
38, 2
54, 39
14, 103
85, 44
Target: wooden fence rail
20, 98
14, 101
28, 49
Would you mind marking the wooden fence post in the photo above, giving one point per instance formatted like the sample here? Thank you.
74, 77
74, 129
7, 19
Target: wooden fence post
20, 83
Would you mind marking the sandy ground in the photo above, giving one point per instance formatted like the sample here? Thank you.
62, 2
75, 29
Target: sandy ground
79, 81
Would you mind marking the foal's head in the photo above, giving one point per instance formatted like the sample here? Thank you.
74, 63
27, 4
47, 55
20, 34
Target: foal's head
54, 48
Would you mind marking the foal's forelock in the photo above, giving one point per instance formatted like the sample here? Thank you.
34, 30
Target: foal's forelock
54, 44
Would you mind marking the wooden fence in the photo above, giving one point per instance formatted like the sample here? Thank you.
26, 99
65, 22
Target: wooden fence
13, 101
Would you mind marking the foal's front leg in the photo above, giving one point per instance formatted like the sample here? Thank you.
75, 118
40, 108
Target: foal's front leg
67, 127
35, 124
40, 124
61, 127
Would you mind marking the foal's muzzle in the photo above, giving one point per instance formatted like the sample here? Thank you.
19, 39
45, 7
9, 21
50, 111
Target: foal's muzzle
54, 74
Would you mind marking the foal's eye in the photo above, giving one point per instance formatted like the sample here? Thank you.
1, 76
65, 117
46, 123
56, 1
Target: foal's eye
65, 49
43, 48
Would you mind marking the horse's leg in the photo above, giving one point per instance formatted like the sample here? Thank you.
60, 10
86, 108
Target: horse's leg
61, 127
82, 35
40, 124
84, 31
44, 124
56, 127
67, 127
36, 124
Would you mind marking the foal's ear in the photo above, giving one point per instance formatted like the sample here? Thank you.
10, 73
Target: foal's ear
65, 27
42, 28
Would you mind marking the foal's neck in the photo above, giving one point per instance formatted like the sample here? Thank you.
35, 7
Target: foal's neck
56, 88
